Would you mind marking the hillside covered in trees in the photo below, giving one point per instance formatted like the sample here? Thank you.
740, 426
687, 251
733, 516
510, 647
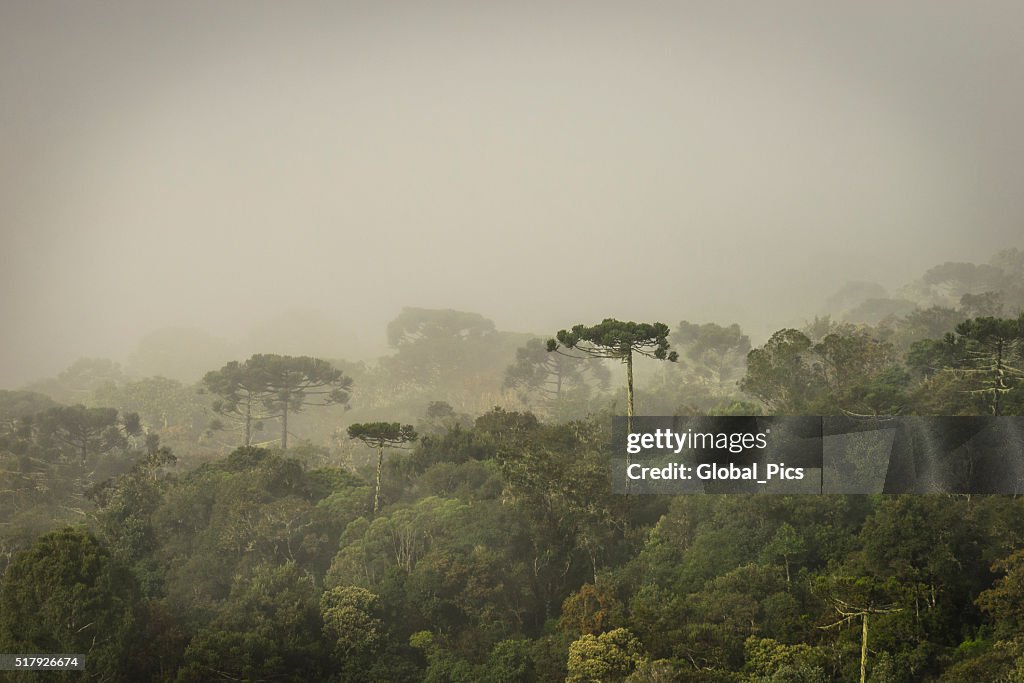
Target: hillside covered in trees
444, 512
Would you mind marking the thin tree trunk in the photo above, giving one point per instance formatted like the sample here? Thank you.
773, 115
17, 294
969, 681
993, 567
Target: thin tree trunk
284, 427
864, 650
380, 468
629, 406
629, 391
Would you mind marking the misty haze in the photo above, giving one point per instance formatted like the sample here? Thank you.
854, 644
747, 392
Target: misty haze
214, 167
317, 315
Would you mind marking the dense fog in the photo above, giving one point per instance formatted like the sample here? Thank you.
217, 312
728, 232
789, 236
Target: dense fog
219, 166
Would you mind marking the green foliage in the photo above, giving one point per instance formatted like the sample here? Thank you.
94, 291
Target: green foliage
167, 405
845, 372
350, 625
780, 374
242, 393
1000, 661
66, 594
125, 505
293, 382
496, 550
616, 339
994, 349
1004, 601
381, 434
17, 405
271, 386
456, 445
606, 658
84, 432
270, 627
770, 661
591, 609
977, 370
512, 661
858, 375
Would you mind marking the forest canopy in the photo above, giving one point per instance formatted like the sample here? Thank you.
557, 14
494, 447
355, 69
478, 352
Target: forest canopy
444, 513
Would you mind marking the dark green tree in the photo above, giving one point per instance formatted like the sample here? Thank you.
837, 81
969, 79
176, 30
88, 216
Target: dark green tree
858, 375
86, 432
126, 503
618, 340
856, 600
1004, 601
924, 323
981, 364
17, 405
269, 628
994, 347
381, 435
242, 391
780, 373
66, 594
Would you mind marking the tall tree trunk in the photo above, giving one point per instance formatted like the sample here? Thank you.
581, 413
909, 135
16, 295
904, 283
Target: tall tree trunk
864, 650
629, 391
284, 427
380, 468
629, 406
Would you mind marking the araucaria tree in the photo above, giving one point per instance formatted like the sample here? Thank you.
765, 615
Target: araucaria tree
86, 432
619, 340
242, 392
294, 382
983, 361
381, 435
276, 386
993, 348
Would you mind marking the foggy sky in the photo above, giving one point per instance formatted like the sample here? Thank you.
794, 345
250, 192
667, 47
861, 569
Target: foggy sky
219, 164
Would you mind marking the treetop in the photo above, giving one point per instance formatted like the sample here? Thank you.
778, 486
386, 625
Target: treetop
382, 433
617, 339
